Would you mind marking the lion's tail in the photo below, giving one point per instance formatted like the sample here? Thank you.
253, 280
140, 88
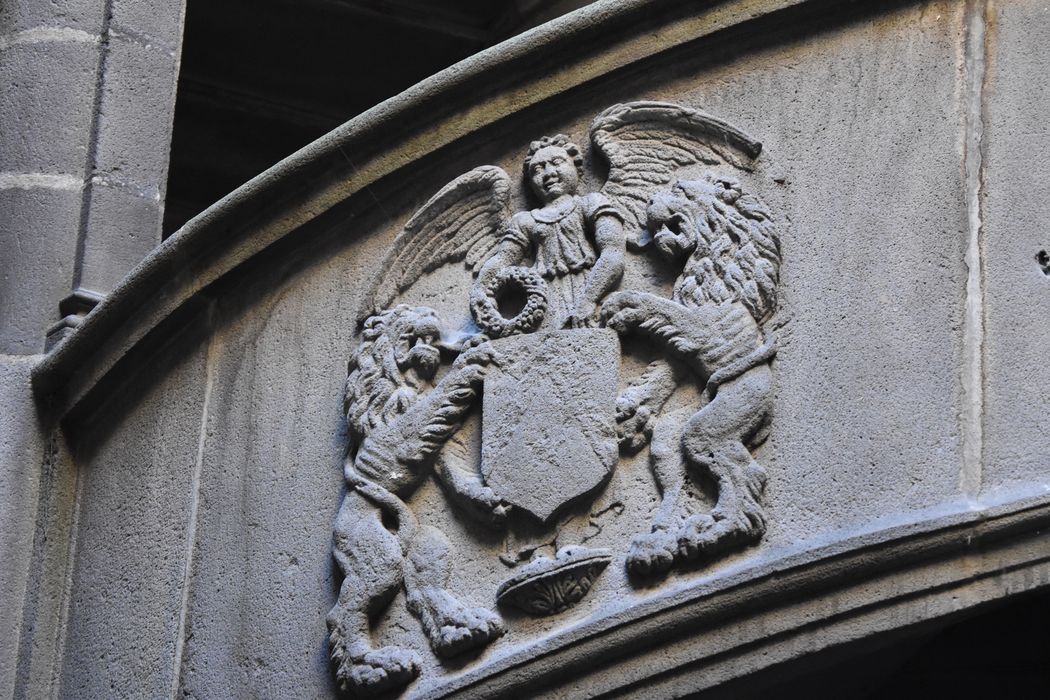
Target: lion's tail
386, 501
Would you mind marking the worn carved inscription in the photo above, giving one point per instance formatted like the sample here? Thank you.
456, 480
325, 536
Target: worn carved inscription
546, 375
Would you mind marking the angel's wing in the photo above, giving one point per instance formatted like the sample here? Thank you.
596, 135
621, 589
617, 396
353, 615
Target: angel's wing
647, 142
461, 222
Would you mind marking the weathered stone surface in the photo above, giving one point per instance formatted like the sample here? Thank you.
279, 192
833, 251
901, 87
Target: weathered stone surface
123, 226
1015, 211
82, 15
22, 447
38, 228
47, 111
548, 431
266, 483
138, 494
139, 79
156, 24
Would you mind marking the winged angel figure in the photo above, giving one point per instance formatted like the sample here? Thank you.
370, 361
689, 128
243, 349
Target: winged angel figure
566, 257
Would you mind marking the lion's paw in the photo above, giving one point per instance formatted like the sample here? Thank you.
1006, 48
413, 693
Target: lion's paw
465, 629
652, 553
622, 311
489, 508
698, 535
452, 627
707, 534
378, 670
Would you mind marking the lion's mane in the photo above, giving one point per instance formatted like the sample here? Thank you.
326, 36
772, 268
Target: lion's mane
738, 257
375, 389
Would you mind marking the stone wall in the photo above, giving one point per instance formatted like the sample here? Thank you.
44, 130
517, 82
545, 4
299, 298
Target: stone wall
89, 90
203, 429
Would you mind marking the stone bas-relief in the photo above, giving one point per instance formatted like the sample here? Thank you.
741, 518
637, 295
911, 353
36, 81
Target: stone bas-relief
541, 363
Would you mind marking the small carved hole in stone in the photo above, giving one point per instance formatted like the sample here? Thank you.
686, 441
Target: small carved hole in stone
1043, 258
510, 300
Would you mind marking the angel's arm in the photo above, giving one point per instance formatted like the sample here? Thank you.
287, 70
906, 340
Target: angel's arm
608, 269
512, 250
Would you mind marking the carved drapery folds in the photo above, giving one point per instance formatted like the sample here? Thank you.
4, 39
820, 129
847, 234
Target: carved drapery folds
552, 318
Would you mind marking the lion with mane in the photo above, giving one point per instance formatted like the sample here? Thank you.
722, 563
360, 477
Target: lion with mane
399, 417
713, 328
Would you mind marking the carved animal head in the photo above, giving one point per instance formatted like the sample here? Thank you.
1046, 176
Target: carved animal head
398, 350
730, 239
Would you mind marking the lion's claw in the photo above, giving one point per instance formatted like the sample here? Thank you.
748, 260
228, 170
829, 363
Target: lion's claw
378, 670
452, 627
470, 628
652, 553
490, 507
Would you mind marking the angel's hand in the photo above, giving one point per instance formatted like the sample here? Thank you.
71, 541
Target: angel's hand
582, 316
634, 422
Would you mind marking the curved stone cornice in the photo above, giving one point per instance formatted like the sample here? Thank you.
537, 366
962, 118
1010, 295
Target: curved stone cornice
384, 140
782, 605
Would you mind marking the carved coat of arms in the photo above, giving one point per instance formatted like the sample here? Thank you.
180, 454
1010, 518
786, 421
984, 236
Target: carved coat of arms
550, 309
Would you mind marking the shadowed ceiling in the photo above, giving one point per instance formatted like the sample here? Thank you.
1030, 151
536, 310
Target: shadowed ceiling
259, 79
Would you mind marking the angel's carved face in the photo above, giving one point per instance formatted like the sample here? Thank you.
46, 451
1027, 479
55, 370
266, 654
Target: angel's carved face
553, 173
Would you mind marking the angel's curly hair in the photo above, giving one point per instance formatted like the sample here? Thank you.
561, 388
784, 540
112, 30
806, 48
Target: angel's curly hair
559, 140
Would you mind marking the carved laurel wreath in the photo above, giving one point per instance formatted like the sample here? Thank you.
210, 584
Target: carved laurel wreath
485, 308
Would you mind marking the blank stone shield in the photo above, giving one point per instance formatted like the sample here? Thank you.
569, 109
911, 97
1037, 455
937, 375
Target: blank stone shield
548, 429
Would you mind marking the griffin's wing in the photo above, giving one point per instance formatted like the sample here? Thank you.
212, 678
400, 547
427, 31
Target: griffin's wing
647, 142
461, 222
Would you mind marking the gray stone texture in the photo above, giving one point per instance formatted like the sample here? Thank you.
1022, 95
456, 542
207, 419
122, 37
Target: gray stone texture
48, 72
262, 571
123, 226
136, 496
55, 122
1016, 212
20, 15
562, 386
43, 609
48, 104
131, 156
139, 81
38, 239
21, 451
156, 24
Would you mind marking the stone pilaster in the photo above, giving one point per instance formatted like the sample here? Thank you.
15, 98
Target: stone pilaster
85, 129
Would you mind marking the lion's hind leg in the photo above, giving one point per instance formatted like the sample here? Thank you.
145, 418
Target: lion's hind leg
717, 440
370, 557
452, 627
653, 553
